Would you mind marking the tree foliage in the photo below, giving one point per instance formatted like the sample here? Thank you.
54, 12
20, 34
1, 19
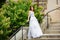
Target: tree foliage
15, 14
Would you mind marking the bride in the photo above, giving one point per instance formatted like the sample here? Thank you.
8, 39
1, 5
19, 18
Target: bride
34, 27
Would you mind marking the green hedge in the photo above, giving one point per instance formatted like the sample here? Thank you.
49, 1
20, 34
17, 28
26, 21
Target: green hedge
15, 14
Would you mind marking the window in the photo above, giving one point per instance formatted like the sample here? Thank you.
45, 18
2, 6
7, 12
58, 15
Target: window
41, 3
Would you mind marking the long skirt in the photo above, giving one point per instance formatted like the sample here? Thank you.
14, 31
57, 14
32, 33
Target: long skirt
34, 28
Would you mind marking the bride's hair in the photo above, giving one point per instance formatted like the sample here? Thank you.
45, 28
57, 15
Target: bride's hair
31, 8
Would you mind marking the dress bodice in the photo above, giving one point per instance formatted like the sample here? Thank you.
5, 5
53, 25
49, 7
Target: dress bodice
31, 13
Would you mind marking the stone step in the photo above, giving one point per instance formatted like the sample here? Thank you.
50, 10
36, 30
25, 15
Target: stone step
54, 28
55, 25
48, 37
55, 22
53, 31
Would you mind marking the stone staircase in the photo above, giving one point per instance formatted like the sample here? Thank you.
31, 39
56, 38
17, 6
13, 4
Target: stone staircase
52, 33
53, 29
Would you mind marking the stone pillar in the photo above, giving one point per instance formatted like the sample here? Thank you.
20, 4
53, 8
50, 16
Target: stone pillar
51, 4
59, 3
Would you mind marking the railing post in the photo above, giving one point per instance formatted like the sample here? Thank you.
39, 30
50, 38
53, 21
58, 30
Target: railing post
22, 32
47, 21
15, 37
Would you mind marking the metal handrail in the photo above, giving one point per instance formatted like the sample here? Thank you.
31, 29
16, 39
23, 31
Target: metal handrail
14, 34
50, 11
47, 15
53, 10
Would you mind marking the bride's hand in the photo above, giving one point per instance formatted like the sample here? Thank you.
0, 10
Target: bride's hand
27, 20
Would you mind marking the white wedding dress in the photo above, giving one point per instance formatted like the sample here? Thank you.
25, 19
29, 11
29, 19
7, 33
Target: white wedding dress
34, 27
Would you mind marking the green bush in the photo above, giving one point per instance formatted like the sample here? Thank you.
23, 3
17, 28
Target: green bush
38, 12
14, 15
4, 26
